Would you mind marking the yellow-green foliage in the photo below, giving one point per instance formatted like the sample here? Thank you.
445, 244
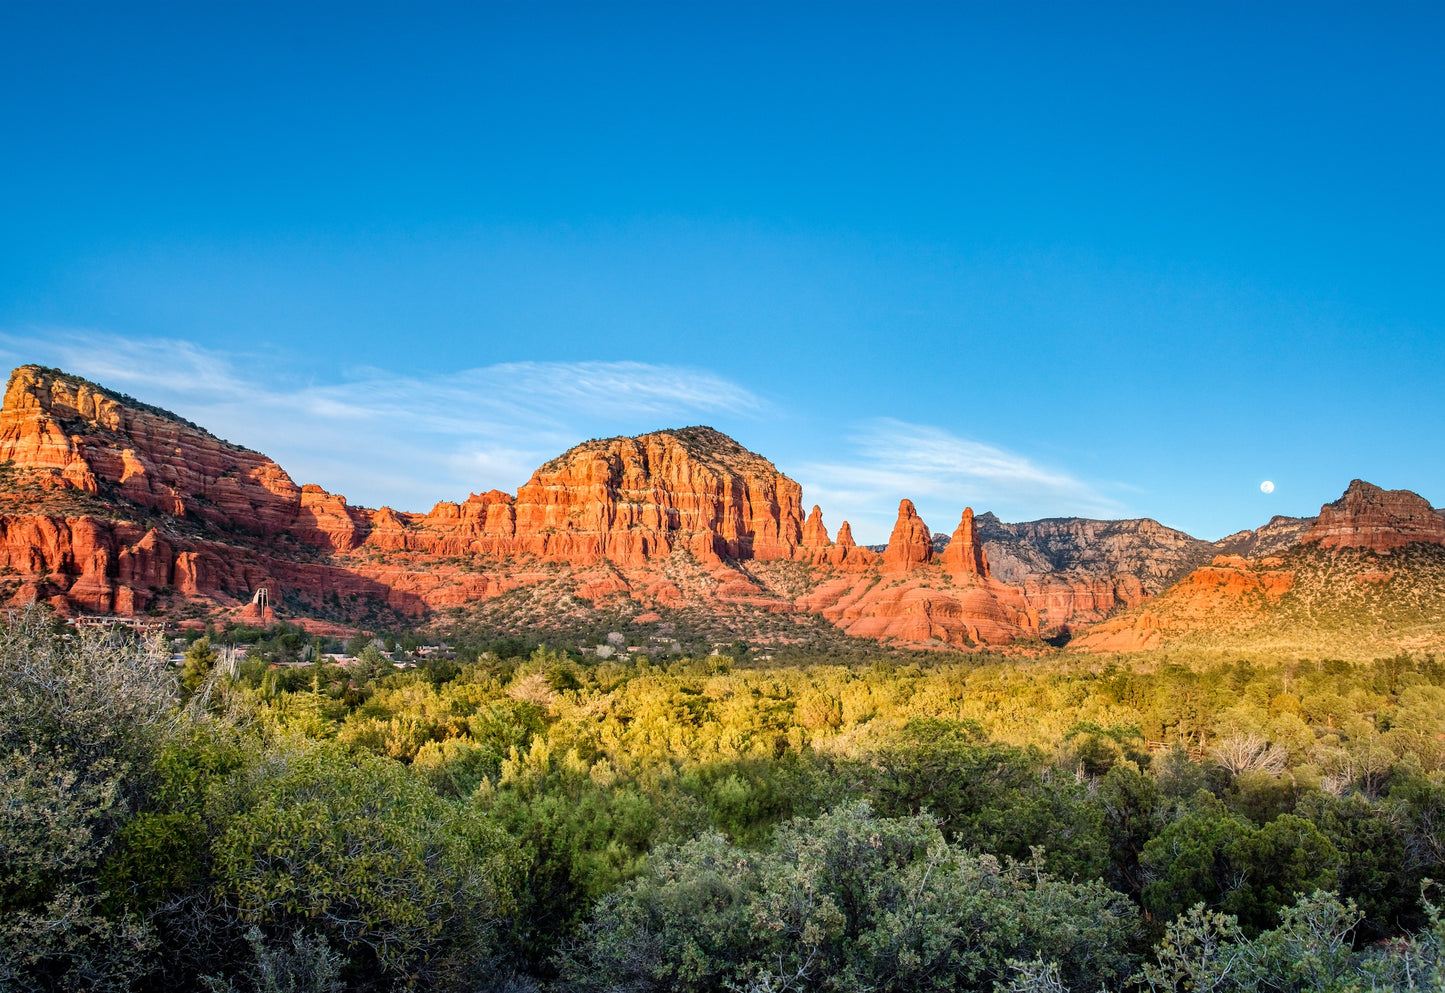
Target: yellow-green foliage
1328, 718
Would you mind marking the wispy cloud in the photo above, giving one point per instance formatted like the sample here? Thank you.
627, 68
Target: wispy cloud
941, 473
383, 438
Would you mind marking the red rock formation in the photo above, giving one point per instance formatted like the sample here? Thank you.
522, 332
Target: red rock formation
847, 555
114, 506
324, 520
924, 608
484, 524
1068, 602
632, 501
965, 553
815, 534
910, 545
1231, 591
96, 441
1378, 520
635, 499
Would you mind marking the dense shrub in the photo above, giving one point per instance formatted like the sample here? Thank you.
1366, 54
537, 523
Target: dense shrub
80, 720
360, 851
846, 901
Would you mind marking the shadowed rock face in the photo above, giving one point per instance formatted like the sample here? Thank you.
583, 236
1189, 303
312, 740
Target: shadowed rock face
1376, 519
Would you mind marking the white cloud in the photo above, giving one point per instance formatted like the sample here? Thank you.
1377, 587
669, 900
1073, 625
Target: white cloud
941, 473
383, 438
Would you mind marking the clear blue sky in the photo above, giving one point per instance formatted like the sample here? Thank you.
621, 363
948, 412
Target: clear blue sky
1042, 259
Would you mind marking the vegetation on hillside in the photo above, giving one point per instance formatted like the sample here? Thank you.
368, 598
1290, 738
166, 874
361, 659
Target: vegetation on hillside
1349, 603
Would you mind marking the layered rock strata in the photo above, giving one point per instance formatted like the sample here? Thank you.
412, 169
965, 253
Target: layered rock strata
965, 553
178, 512
1376, 519
915, 598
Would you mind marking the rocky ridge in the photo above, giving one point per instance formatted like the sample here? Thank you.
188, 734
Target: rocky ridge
1074, 571
116, 506
1279, 535
111, 505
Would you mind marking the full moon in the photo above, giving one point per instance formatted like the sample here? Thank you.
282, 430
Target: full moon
1266, 487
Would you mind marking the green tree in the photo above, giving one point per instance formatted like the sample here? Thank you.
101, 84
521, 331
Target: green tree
844, 901
364, 853
986, 796
1374, 870
1220, 860
200, 662
371, 664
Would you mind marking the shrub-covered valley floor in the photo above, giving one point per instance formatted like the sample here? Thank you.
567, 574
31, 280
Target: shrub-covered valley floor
515, 818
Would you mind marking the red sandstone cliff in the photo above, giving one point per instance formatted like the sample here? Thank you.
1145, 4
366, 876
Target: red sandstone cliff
634, 499
176, 512
99, 442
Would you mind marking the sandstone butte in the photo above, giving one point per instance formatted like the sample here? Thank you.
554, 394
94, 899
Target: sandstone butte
914, 599
1378, 520
109, 505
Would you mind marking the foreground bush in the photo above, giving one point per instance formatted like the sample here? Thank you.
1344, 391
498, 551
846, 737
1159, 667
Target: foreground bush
80, 720
1310, 951
362, 852
846, 901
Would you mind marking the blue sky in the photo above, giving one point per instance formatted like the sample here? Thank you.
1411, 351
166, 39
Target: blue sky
1112, 260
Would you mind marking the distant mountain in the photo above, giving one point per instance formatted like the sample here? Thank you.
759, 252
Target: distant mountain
1145, 549
1367, 577
1280, 534
1076, 571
